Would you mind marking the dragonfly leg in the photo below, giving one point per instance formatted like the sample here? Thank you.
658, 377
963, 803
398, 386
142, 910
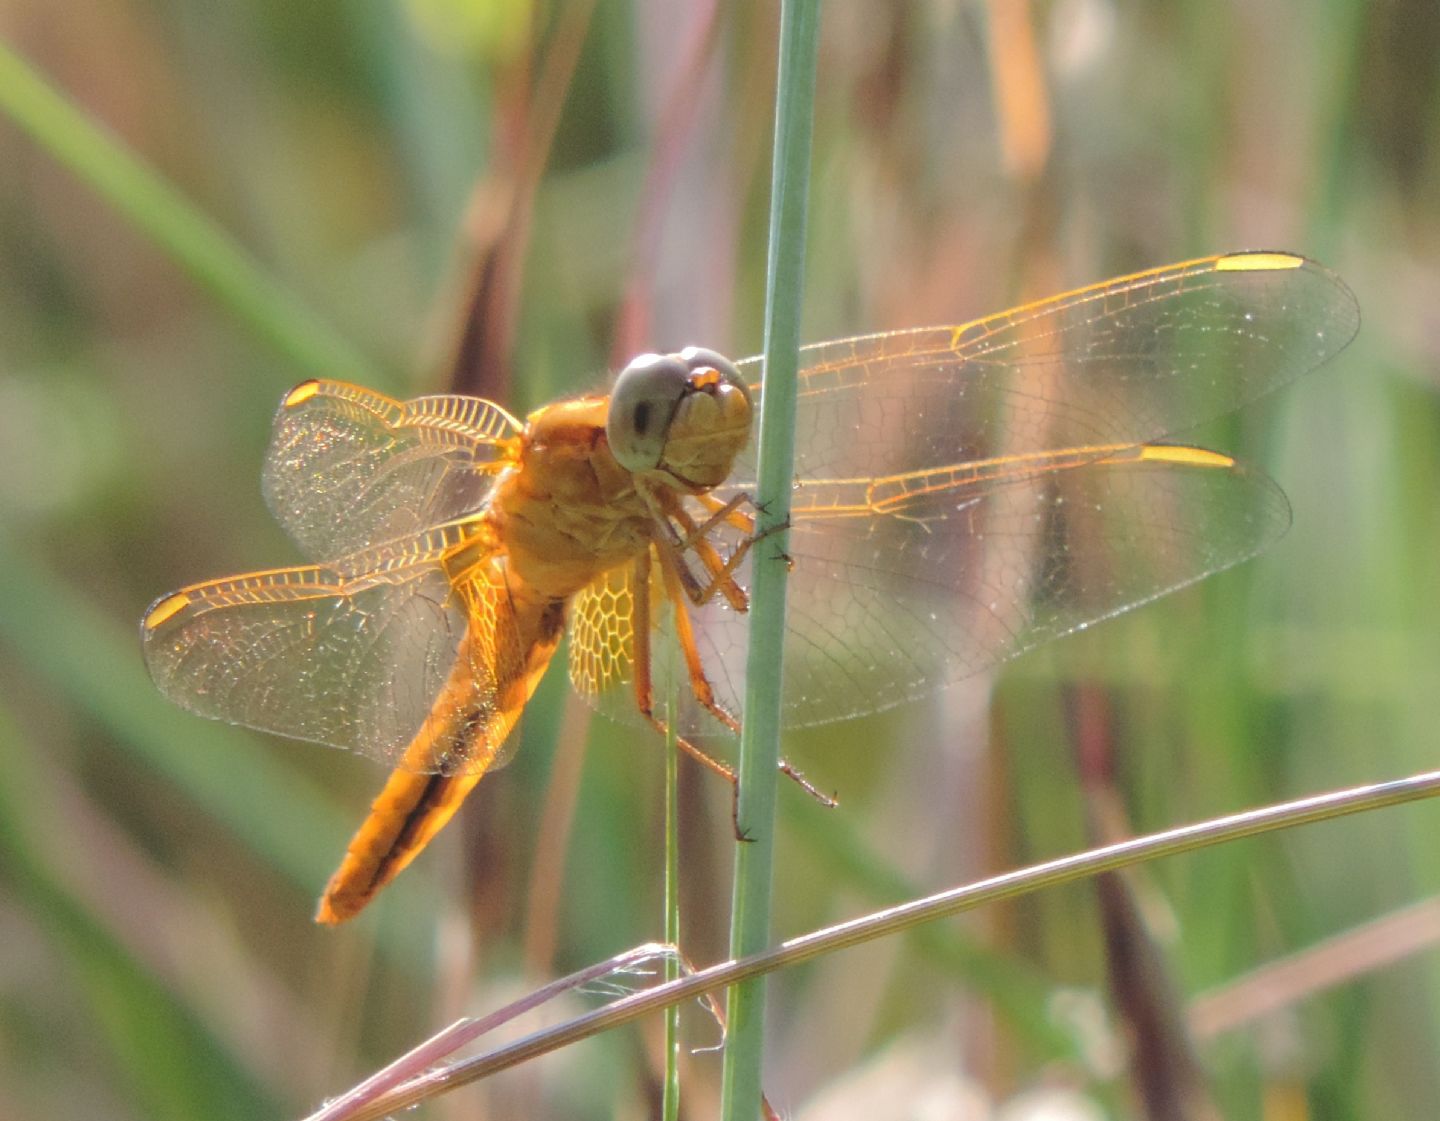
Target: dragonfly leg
731, 515
685, 632
727, 512
672, 545
700, 685
722, 574
681, 534
644, 685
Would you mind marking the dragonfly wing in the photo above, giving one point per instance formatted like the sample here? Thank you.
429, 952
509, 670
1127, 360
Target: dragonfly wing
937, 530
349, 469
359, 654
884, 610
1130, 361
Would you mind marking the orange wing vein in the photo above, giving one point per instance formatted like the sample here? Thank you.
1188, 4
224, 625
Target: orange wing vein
349, 469
353, 654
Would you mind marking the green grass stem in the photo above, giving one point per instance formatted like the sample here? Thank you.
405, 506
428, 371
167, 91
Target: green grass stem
760, 742
670, 1097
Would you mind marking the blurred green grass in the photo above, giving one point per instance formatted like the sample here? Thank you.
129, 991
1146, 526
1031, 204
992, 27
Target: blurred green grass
157, 872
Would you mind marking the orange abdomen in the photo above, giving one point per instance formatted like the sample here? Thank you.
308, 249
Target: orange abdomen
470, 721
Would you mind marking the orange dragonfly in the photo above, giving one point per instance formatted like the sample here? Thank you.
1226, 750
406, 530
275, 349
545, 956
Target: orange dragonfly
962, 495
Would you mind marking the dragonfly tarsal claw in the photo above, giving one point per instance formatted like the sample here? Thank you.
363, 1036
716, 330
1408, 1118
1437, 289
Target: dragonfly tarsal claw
769, 531
790, 771
783, 524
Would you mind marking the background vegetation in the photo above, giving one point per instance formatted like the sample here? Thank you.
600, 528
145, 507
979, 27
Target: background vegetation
157, 872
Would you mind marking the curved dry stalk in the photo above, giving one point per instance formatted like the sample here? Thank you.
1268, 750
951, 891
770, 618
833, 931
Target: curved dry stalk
895, 920
1342, 958
412, 1065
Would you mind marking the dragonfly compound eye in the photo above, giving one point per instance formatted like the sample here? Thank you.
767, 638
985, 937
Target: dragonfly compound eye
699, 358
642, 404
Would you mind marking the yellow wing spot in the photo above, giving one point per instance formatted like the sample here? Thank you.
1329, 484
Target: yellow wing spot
1258, 262
167, 608
300, 394
1193, 457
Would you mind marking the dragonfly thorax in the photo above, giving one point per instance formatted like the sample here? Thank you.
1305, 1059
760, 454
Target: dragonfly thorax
567, 511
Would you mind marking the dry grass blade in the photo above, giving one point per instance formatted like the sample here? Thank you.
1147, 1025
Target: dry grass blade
1282, 984
410, 1068
893, 920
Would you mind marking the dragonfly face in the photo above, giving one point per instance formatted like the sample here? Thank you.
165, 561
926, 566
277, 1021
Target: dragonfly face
685, 416
963, 493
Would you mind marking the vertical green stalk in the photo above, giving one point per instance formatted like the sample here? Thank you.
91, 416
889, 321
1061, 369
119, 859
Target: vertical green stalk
760, 741
163, 215
670, 1099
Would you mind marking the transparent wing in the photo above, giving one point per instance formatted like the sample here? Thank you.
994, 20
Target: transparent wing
964, 494
883, 610
378, 653
1130, 361
349, 469
887, 615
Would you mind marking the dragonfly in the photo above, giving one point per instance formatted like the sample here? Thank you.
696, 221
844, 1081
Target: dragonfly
963, 494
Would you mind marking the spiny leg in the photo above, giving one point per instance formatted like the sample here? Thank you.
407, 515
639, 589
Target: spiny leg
678, 533
700, 685
644, 685
670, 545
745, 523
696, 538
727, 512
685, 632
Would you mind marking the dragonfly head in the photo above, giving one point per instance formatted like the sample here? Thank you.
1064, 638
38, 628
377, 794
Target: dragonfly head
686, 415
